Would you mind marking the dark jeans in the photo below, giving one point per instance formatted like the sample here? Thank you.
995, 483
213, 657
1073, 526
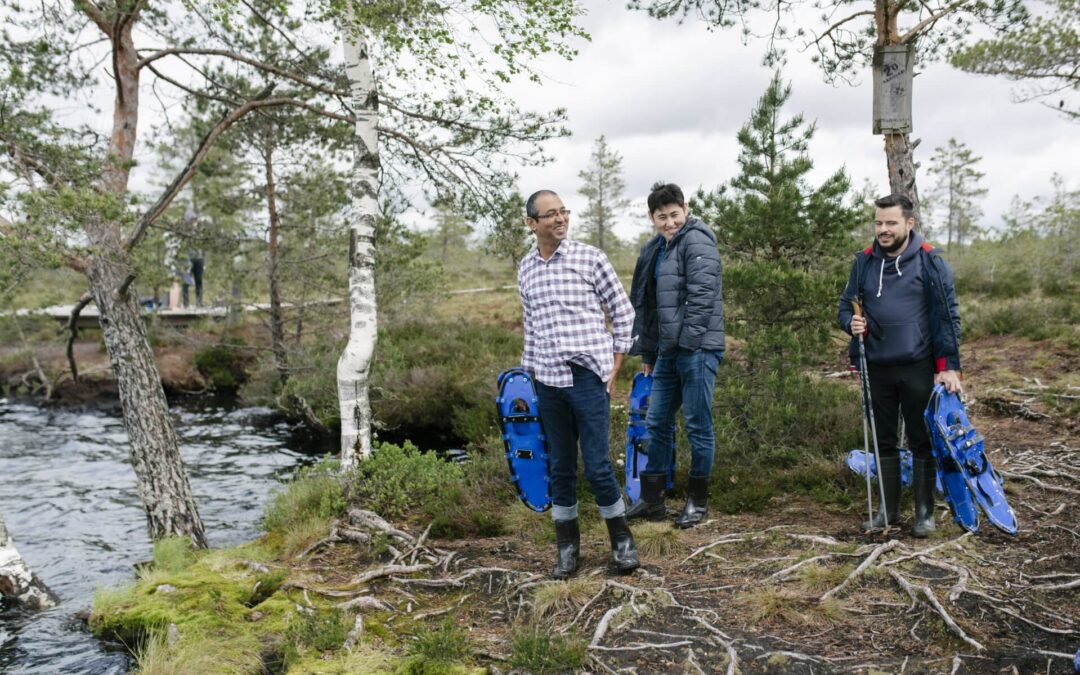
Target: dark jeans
906, 388
685, 379
570, 414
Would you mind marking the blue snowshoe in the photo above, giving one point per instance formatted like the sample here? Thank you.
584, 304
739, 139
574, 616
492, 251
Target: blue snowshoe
523, 436
637, 446
963, 468
856, 461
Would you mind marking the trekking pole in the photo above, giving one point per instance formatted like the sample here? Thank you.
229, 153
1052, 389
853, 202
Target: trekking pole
868, 413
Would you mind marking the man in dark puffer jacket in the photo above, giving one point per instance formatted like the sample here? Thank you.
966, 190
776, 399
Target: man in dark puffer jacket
679, 333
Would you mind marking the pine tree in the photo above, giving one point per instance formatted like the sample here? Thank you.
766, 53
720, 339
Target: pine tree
784, 242
508, 237
957, 190
603, 186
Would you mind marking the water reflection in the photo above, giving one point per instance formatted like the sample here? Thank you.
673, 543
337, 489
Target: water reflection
67, 492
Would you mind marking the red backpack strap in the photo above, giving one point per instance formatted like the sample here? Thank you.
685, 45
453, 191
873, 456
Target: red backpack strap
869, 249
927, 247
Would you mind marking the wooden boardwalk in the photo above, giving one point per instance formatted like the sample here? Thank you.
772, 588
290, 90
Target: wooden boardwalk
179, 317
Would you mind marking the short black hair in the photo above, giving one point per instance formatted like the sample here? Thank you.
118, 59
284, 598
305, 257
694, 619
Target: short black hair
530, 203
662, 194
889, 201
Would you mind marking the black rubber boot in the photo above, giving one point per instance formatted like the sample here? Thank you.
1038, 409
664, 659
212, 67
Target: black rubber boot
697, 503
568, 543
925, 475
623, 549
888, 513
651, 505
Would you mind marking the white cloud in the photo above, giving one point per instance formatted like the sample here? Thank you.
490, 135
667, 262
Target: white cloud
670, 98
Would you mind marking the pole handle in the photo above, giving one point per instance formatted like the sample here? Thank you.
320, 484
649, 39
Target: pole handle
857, 307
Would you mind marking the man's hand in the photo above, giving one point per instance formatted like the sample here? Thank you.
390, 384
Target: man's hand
618, 359
647, 368
951, 380
858, 325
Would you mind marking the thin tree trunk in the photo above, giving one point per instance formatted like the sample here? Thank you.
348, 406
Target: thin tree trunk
277, 321
899, 155
16, 579
899, 150
355, 362
155, 451
161, 480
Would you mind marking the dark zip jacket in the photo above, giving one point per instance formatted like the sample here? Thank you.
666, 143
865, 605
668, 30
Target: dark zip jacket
689, 292
646, 331
910, 305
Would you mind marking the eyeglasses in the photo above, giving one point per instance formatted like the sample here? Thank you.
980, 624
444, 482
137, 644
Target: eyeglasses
565, 213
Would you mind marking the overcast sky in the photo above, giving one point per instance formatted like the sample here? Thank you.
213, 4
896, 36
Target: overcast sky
670, 99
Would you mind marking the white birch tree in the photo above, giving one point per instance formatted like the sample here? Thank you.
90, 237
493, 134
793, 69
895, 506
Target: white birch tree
16, 579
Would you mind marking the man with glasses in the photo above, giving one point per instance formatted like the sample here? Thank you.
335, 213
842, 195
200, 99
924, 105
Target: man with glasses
566, 289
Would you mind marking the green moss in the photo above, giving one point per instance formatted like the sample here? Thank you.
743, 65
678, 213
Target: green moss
210, 603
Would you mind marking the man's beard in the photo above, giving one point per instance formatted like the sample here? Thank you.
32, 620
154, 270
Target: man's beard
898, 243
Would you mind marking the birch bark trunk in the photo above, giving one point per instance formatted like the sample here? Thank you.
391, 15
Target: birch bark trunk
161, 480
16, 579
354, 365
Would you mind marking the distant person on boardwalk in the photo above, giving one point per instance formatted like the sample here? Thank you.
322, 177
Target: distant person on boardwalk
911, 329
194, 276
566, 289
678, 299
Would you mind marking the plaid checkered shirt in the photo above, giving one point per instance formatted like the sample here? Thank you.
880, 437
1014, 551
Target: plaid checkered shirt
564, 301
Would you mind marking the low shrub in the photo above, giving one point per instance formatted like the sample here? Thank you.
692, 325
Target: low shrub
223, 365
396, 479
316, 494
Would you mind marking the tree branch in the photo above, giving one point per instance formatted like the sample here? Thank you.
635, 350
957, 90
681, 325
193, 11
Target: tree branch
254, 63
930, 21
73, 327
208, 140
841, 22
96, 15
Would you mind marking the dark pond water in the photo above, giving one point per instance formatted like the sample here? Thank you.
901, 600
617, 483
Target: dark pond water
68, 495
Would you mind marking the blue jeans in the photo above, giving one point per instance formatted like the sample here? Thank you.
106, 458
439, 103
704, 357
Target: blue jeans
570, 414
686, 379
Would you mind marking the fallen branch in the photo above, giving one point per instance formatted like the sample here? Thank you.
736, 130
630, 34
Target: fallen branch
932, 600
388, 570
731, 539
602, 627
1043, 484
455, 582
640, 647
363, 602
874, 555
370, 520
1068, 585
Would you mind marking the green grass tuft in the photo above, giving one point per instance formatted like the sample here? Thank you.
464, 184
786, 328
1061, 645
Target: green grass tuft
536, 650
173, 554
316, 495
